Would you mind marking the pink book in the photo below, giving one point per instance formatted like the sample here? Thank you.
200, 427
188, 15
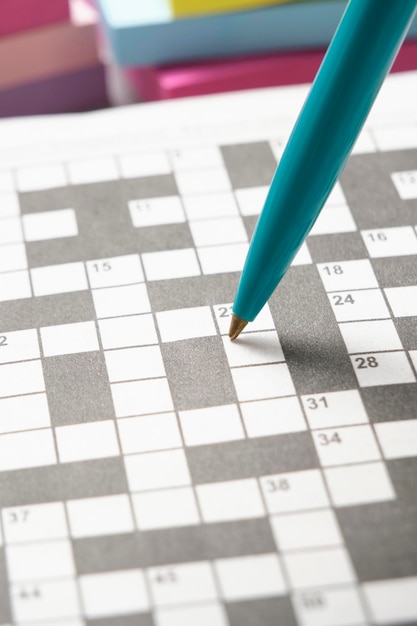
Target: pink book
20, 15
162, 83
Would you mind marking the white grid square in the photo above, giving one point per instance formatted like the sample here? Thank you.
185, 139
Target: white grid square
34, 523
263, 381
37, 177
254, 349
94, 170
61, 278
24, 413
372, 336
213, 232
131, 330
27, 449
203, 614
69, 338
92, 440
351, 444
156, 211
366, 304
157, 470
313, 529
383, 368
21, 378
303, 256
134, 363
149, 432
92, 517
49, 225
345, 275
398, 241
57, 599
9, 203
138, 164
273, 417
223, 315
403, 300
194, 582
170, 264
336, 607
15, 286
359, 484
392, 601
202, 181
221, 259
405, 184
186, 323
195, 158
140, 397
10, 229
232, 500
251, 200
294, 491
165, 508
248, 577
316, 568
211, 425
6, 181
210, 206
336, 408
19, 345
398, 440
39, 560
332, 220
117, 301
114, 271
13, 257
114, 593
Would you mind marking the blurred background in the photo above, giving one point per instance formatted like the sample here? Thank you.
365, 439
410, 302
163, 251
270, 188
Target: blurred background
60, 56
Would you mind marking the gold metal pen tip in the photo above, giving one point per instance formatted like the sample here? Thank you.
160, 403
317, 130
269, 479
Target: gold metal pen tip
236, 326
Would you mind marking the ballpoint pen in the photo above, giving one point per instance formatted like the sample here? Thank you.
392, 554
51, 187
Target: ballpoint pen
358, 59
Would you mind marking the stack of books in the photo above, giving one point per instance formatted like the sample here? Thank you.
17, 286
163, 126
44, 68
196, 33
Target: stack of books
48, 58
172, 48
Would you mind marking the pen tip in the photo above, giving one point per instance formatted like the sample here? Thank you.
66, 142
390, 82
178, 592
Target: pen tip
236, 326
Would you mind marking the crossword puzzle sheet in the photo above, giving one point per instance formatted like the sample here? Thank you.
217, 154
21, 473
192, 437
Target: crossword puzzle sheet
152, 472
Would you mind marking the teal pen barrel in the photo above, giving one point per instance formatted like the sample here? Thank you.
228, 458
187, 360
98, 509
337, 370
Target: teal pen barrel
357, 61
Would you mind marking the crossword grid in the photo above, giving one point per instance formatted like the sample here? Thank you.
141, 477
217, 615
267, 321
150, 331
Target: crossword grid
155, 434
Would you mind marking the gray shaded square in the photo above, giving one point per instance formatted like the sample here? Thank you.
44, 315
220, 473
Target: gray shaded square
403, 474
262, 612
47, 199
5, 612
341, 247
148, 187
250, 224
381, 539
207, 541
139, 619
167, 237
182, 293
54, 251
407, 330
102, 477
370, 192
105, 554
198, 373
395, 402
62, 308
251, 457
78, 389
249, 164
400, 271
309, 334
